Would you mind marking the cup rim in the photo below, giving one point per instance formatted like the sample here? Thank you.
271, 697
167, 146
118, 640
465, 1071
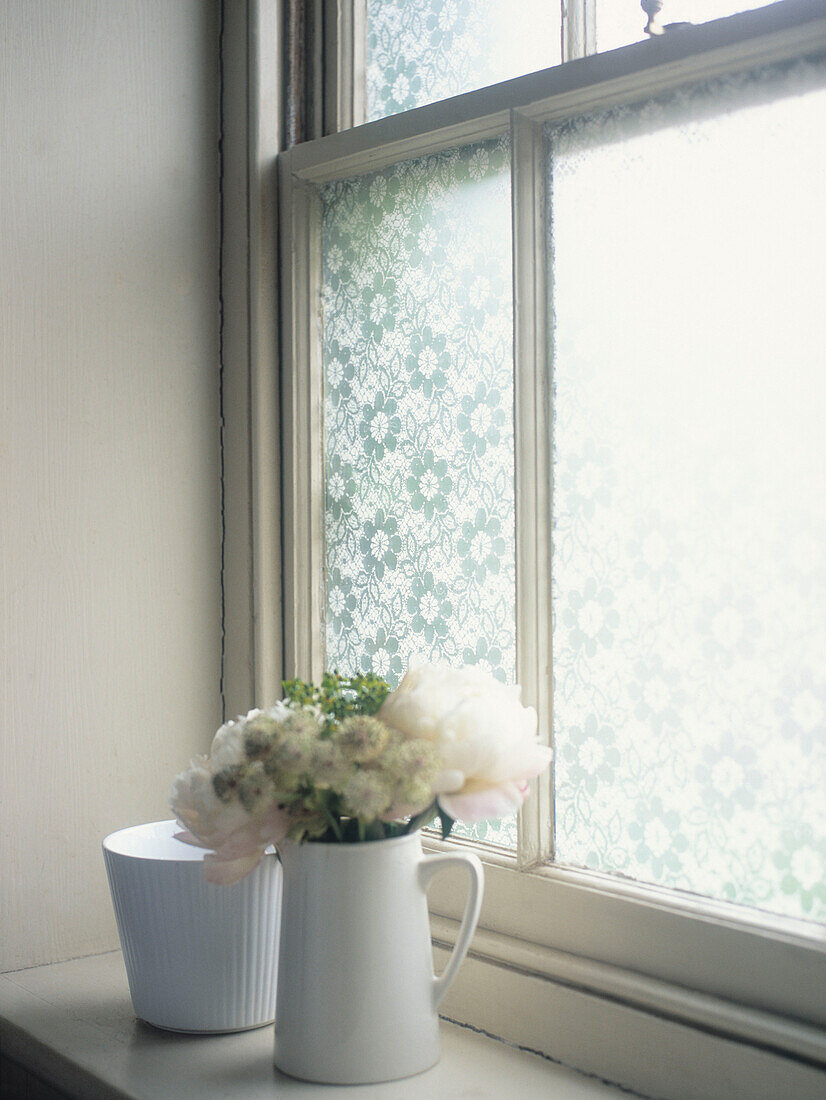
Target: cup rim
190, 853
111, 846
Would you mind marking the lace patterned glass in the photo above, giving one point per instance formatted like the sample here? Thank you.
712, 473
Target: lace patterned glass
419, 51
689, 577
418, 417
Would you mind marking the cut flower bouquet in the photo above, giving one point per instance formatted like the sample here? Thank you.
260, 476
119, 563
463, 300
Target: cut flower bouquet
350, 760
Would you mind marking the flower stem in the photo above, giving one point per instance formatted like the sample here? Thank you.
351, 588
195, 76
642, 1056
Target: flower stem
335, 825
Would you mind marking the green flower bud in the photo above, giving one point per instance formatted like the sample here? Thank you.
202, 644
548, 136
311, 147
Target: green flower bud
300, 725
366, 794
328, 767
361, 738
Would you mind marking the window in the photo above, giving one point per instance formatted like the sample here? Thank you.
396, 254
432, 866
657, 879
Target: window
403, 54
689, 593
420, 51
477, 380
417, 351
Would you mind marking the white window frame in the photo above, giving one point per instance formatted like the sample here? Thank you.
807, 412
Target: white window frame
584, 967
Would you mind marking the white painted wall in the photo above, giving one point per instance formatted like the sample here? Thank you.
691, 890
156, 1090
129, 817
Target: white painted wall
109, 457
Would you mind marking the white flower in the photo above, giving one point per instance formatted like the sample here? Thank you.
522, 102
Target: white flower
658, 838
198, 808
279, 711
361, 738
379, 544
480, 545
480, 419
478, 165
378, 190
336, 486
486, 739
378, 426
236, 837
378, 308
366, 794
429, 483
807, 867
591, 754
591, 619
401, 88
335, 372
228, 746
336, 601
428, 359
381, 662
427, 242
429, 607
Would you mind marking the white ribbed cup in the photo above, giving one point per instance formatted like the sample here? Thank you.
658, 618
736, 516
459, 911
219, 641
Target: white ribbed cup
199, 957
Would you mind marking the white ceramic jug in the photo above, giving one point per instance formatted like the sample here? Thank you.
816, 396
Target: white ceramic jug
357, 998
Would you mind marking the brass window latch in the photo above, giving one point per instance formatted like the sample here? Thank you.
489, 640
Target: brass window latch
654, 28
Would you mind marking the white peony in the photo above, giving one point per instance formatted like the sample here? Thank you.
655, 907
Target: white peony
228, 744
198, 808
237, 839
486, 738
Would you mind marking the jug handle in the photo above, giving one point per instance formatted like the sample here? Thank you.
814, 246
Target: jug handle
430, 866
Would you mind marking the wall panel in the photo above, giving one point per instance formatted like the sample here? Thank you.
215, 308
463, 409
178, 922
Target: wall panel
110, 486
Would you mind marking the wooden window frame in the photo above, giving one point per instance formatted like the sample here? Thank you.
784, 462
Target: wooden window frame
583, 967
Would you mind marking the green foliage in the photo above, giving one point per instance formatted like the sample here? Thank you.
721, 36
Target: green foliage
447, 824
419, 821
339, 697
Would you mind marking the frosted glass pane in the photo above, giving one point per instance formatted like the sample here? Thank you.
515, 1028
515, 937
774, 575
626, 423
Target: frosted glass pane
418, 416
620, 22
689, 578
419, 51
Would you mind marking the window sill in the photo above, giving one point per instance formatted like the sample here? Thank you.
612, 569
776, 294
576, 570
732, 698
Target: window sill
72, 1027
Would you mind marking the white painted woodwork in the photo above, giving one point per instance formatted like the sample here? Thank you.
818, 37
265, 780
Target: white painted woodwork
612, 954
653, 1052
792, 28
252, 112
72, 1025
533, 459
109, 457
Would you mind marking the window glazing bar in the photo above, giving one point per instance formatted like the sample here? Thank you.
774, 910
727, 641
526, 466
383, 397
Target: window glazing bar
533, 493
579, 28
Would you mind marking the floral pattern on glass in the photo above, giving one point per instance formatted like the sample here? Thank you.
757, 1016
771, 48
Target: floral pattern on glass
418, 418
419, 51
689, 584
